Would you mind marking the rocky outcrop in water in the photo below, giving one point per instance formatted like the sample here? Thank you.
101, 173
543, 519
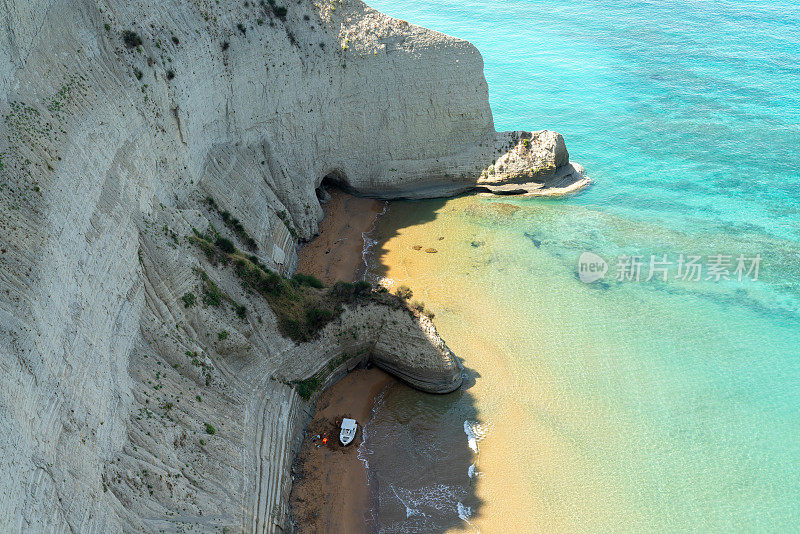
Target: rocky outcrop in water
142, 387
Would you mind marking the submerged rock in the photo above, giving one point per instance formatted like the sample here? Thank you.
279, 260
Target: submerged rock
536, 242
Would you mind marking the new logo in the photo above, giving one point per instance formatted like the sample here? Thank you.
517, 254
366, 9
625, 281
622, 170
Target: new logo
591, 267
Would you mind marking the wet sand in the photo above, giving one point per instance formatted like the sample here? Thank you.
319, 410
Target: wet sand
330, 492
336, 254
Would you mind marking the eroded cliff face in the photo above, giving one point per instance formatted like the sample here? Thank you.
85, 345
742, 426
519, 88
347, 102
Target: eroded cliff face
126, 407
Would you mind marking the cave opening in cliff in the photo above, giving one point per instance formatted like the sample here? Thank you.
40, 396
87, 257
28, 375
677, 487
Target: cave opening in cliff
335, 179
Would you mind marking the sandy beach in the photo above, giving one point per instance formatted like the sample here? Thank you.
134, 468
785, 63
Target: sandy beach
330, 492
336, 253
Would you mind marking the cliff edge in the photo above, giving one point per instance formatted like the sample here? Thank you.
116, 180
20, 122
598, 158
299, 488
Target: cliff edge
143, 385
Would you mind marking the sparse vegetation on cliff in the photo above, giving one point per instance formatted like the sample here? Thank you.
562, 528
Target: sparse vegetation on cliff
311, 281
404, 292
282, 215
212, 295
131, 39
234, 224
306, 388
188, 299
98, 164
419, 306
225, 245
302, 304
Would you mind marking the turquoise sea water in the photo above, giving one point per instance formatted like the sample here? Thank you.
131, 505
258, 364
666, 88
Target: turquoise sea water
613, 406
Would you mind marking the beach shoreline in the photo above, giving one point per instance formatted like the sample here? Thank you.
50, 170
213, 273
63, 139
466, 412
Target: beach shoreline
330, 490
330, 487
336, 253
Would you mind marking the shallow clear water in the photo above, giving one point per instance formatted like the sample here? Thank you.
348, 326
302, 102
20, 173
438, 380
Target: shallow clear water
617, 405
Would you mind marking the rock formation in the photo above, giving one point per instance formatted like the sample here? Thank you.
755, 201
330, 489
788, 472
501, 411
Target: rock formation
135, 395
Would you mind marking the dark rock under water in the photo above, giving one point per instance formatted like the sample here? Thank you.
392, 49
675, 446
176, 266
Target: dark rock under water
536, 242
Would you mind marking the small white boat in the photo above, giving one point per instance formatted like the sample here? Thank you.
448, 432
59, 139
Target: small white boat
348, 432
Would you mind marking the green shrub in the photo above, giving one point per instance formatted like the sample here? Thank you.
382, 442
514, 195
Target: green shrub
212, 295
188, 299
349, 292
316, 318
291, 328
131, 39
137, 73
225, 245
404, 292
307, 387
262, 280
210, 429
280, 11
207, 248
362, 287
342, 289
308, 280
175, 40
212, 298
170, 74
234, 224
417, 305
222, 336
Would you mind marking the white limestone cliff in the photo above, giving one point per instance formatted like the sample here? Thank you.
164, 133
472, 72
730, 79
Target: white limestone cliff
107, 152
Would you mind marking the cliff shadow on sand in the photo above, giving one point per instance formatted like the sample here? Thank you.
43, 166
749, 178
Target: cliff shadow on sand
424, 457
422, 467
